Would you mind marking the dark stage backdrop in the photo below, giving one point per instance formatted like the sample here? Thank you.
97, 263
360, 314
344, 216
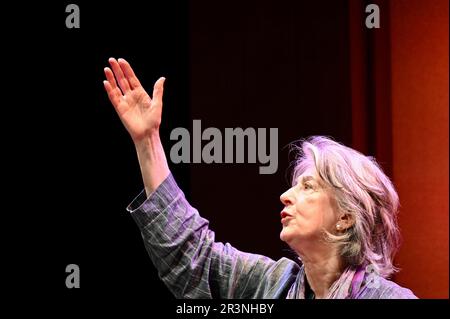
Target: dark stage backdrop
304, 67
282, 65
228, 65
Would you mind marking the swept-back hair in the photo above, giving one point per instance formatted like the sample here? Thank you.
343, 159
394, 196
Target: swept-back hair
362, 190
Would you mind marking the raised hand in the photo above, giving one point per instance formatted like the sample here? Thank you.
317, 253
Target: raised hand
140, 113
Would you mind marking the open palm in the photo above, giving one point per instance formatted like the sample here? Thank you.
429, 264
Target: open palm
140, 113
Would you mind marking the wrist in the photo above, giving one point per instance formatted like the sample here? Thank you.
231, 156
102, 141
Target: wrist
152, 160
148, 142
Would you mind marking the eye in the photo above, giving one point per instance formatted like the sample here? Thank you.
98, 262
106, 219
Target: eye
307, 185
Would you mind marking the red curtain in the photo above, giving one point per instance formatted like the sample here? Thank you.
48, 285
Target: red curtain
399, 83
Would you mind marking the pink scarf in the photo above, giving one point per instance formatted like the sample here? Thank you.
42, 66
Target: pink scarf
346, 287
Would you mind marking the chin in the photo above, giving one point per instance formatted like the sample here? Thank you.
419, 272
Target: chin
293, 236
286, 235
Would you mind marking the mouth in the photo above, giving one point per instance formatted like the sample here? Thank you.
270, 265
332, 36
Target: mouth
284, 216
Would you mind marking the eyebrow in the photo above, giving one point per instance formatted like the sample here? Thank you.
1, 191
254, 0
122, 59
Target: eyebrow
305, 178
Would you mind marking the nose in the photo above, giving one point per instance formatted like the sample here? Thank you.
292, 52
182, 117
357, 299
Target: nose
285, 198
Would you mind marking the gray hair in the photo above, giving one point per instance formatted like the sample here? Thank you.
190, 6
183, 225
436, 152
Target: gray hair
362, 190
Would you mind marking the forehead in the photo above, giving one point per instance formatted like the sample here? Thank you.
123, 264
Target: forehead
308, 174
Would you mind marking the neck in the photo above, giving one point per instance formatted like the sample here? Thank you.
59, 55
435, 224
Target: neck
323, 266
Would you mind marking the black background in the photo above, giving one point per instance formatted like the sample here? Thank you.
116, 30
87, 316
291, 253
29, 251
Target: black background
230, 64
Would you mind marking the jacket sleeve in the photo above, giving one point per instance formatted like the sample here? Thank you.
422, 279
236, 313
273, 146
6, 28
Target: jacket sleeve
188, 260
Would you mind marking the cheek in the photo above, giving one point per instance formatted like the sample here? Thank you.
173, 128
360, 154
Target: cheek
328, 218
311, 222
307, 210
314, 214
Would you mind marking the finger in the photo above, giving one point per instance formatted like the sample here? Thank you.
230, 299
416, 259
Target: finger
110, 77
123, 82
113, 93
158, 90
129, 73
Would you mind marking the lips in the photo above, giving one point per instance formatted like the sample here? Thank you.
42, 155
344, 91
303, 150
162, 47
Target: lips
285, 217
283, 214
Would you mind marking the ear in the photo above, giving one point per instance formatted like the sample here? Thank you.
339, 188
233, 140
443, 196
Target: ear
345, 221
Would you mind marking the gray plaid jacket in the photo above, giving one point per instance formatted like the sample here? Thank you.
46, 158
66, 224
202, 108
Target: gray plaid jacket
193, 265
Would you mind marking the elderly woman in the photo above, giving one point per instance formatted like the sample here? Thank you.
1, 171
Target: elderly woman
339, 216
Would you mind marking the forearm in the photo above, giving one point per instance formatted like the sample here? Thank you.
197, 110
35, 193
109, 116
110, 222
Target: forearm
152, 161
184, 251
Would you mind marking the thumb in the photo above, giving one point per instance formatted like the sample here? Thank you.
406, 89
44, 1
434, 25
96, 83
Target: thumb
158, 89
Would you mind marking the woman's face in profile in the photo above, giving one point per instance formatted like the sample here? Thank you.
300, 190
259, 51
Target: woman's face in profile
309, 209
